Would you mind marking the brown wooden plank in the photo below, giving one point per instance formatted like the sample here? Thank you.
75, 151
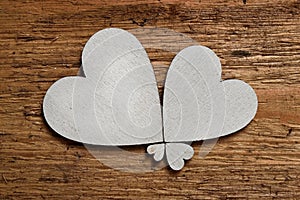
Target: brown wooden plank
257, 41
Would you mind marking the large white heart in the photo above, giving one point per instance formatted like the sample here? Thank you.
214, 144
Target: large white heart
198, 105
117, 101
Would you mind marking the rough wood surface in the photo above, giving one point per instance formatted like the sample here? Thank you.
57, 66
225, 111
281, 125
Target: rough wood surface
258, 42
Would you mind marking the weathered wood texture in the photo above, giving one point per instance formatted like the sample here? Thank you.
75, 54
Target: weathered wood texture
257, 41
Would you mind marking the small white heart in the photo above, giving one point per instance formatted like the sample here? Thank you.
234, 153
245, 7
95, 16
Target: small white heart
158, 150
176, 154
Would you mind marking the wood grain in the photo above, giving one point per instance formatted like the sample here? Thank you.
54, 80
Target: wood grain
257, 41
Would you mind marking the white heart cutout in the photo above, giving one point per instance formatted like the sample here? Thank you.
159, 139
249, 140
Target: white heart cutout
158, 150
117, 103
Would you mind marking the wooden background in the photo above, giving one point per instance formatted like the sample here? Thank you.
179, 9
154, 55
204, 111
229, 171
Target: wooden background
258, 41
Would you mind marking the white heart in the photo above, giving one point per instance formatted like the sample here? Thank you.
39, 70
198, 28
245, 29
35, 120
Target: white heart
176, 154
117, 103
197, 104
158, 150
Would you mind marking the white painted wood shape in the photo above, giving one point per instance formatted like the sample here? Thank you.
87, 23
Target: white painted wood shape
117, 102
